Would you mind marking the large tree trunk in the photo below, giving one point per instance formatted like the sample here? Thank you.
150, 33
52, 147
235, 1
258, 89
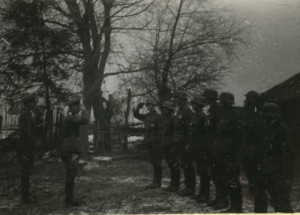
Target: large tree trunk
99, 125
96, 44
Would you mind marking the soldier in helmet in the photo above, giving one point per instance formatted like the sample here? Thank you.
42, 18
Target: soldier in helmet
180, 140
28, 143
225, 152
200, 147
152, 139
211, 97
168, 149
252, 137
276, 163
70, 149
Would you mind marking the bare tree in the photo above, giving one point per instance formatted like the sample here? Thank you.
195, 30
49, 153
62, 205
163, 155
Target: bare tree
189, 46
95, 24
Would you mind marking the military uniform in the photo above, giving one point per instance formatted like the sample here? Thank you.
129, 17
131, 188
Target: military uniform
27, 149
211, 136
276, 166
251, 146
152, 138
70, 150
225, 149
167, 135
252, 129
180, 140
200, 148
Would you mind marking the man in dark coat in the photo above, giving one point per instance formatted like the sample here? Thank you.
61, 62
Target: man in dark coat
276, 164
182, 121
211, 97
200, 147
152, 138
27, 145
225, 154
252, 137
168, 149
70, 149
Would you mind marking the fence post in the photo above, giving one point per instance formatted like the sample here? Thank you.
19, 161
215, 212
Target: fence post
125, 141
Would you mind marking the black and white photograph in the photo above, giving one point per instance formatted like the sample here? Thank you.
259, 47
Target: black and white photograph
149, 107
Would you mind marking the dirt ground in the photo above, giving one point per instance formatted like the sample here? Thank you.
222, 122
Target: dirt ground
115, 187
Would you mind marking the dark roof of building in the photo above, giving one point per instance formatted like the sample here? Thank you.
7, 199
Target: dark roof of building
287, 90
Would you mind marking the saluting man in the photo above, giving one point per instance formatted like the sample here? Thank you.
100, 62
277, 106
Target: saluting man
152, 138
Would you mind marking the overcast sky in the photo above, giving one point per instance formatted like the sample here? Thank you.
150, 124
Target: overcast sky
274, 53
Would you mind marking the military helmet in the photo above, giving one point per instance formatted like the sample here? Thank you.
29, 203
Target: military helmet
28, 98
181, 95
253, 96
73, 99
271, 110
198, 100
227, 98
211, 94
168, 105
150, 101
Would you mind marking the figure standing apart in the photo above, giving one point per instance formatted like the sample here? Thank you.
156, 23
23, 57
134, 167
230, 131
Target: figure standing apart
27, 145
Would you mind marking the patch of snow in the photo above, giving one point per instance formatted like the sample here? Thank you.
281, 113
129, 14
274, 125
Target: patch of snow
102, 158
91, 166
82, 161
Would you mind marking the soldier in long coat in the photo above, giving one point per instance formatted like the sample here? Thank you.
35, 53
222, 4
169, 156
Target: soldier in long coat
211, 97
152, 139
198, 144
182, 121
168, 148
27, 145
277, 163
226, 149
251, 122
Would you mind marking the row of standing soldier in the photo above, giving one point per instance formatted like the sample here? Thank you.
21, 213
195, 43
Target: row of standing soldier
217, 143
70, 148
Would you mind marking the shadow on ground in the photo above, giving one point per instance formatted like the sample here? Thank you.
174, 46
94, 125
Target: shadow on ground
115, 187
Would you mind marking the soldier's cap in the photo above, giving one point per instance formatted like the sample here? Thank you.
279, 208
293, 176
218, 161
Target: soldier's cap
28, 98
210, 93
168, 105
253, 95
227, 98
180, 94
271, 110
198, 100
151, 101
73, 99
